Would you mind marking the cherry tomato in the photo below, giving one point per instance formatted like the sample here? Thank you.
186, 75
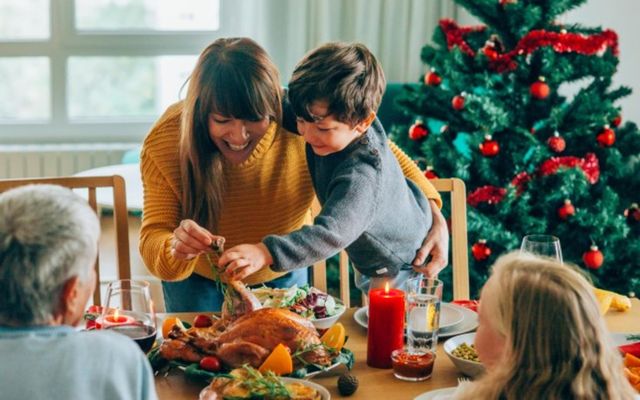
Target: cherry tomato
202, 321
94, 309
90, 316
470, 304
210, 363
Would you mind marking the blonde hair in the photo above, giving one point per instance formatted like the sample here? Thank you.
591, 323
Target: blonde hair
556, 343
233, 77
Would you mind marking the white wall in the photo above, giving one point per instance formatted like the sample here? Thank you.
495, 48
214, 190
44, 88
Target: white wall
622, 17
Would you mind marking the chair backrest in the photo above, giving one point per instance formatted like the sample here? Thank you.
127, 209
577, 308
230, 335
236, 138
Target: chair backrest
91, 183
459, 253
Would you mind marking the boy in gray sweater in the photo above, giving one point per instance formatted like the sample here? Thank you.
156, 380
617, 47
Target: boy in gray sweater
368, 207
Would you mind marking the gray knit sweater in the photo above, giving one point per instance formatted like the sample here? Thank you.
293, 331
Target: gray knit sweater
369, 208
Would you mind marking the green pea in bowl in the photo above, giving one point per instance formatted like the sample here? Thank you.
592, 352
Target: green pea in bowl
460, 351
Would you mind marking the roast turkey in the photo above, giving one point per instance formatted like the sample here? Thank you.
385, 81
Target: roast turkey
248, 335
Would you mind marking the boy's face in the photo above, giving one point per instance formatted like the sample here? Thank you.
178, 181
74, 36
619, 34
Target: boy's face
326, 135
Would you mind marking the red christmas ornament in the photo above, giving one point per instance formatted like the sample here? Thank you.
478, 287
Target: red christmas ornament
539, 90
505, 2
429, 173
567, 210
480, 250
490, 52
606, 137
458, 102
418, 131
593, 258
616, 121
632, 214
489, 147
556, 143
432, 79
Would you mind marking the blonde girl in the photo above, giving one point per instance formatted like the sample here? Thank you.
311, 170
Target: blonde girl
541, 336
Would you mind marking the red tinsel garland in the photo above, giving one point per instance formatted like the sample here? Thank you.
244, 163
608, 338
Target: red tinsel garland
455, 35
560, 42
493, 194
486, 194
589, 165
520, 180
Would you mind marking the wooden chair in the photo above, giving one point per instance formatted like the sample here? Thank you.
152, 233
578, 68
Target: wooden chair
91, 183
459, 256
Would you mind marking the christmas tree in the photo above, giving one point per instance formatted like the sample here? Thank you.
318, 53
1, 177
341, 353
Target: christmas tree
493, 110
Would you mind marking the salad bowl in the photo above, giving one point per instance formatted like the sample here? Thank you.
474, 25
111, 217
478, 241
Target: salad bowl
322, 309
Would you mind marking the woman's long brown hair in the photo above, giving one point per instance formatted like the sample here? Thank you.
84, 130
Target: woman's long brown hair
233, 77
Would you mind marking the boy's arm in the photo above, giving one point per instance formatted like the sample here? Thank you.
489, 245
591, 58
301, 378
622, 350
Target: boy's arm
344, 216
411, 171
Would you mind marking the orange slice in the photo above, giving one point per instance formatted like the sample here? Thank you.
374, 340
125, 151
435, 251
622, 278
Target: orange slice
279, 361
335, 337
168, 324
631, 361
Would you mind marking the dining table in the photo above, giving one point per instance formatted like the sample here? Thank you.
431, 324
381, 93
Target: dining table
374, 383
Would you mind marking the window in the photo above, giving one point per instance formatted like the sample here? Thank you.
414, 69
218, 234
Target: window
96, 70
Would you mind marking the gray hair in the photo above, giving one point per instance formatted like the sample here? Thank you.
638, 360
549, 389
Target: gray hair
48, 235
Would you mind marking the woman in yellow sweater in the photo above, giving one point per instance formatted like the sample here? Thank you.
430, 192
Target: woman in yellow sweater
220, 164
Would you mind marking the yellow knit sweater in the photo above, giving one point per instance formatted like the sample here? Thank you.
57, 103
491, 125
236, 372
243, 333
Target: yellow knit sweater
269, 193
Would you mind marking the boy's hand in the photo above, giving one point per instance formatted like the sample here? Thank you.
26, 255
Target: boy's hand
190, 240
436, 244
245, 259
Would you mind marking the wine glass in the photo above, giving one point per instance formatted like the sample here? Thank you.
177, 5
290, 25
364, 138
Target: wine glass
542, 245
129, 310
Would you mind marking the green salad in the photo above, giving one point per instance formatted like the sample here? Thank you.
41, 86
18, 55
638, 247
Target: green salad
306, 301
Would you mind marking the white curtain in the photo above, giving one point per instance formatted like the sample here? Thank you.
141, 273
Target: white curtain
394, 30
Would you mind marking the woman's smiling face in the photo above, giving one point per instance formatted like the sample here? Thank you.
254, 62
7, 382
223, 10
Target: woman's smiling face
236, 138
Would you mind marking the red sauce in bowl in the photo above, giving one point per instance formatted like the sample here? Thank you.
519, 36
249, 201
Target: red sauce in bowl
412, 366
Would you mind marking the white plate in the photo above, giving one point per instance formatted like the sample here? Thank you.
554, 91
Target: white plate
324, 393
436, 394
468, 322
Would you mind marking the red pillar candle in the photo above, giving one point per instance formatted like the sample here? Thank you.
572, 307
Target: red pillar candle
386, 325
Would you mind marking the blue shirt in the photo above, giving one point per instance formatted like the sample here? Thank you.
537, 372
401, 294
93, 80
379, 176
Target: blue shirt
58, 362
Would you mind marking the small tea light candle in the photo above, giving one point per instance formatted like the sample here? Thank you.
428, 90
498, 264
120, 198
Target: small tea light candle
116, 319
386, 325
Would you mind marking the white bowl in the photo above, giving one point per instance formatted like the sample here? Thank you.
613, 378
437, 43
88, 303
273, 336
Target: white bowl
469, 368
328, 322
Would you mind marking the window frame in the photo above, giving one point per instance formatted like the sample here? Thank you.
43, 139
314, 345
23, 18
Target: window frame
65, 42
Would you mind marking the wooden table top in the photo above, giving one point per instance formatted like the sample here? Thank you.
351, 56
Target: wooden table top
376, 383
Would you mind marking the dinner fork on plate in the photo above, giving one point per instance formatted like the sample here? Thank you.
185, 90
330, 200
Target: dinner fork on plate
463, 379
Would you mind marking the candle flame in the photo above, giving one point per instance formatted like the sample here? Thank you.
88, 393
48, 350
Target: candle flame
115, 315
386, 288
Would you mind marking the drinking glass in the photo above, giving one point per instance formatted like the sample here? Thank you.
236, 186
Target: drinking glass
129, 310
542, 245
415, 362
423, 313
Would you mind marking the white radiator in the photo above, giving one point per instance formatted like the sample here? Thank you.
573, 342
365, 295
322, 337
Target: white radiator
34, 161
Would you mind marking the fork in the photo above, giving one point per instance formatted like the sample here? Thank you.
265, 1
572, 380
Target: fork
463, 380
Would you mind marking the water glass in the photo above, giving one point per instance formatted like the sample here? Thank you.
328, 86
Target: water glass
129, 310
424, 296
542, 245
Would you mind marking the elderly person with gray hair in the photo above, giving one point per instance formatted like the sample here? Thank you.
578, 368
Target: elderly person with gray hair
48, 245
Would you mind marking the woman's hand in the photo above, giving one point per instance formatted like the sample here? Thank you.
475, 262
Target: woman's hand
436, 244
190, 240
243, 260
